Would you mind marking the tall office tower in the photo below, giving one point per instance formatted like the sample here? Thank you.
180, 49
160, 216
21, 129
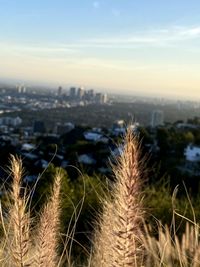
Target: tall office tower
59, 91
157, 118
24, 89
91, 94
104, 98
72, 92
101, 98
80, 93
19, 89
98, 98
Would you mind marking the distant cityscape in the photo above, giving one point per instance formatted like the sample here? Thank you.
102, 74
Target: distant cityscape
81, 127
17, 101
37, 98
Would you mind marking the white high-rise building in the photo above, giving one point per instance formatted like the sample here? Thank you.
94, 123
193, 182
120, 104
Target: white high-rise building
157, 118
101, 98
80, 93
104, 98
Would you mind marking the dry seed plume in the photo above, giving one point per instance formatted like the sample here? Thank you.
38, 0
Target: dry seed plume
118, 238
18, 247
46, 242
169, 250
17, 242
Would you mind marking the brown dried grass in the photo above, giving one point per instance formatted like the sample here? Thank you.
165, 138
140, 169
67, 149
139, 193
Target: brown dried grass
47, 233
16, 246
19, 248
121, 239
171, 251
117, 240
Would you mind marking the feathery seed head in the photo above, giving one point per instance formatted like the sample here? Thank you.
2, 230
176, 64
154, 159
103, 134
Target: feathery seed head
118, 240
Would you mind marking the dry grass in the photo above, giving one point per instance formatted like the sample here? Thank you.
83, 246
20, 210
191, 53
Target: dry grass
120, 240
171, 251
48, 229
16, 245
19, 247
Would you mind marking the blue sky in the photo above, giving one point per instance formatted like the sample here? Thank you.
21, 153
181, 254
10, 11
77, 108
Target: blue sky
144, 46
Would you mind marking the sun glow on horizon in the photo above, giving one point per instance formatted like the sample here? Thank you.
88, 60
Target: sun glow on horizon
112, 48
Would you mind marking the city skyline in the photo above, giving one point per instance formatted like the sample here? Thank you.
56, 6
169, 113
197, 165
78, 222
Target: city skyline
147, 47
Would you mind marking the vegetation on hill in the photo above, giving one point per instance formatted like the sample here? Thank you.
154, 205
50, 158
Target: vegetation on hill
91, 221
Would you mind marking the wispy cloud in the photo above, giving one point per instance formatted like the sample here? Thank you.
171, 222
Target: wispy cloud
190, 32
159, 37
164, 37
44, 50
116, 65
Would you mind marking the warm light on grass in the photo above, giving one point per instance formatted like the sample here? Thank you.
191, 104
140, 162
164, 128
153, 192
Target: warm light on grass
121, 238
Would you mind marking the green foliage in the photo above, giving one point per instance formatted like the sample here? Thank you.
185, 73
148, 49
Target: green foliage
162, 205
82, 147
189, 137
80, 204
195, 121
158, 202
81, 201
44, 185
145, 135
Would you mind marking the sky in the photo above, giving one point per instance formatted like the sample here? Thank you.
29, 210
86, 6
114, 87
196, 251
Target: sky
149, 47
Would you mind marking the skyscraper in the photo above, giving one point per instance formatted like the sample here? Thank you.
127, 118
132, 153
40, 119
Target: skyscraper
101, 98
157, 118
59, 91
80, 93
72, 92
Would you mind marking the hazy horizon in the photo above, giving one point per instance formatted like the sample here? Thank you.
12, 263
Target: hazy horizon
129, 47
66, 86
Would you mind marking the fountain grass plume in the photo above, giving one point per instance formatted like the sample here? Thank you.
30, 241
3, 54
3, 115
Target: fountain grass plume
19, 247
170, 250
48, 229
17, 241
117, 241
